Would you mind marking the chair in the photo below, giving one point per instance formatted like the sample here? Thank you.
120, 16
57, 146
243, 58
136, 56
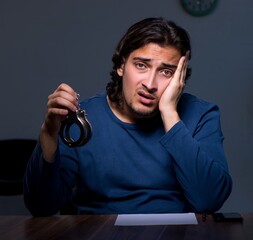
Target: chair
15, 154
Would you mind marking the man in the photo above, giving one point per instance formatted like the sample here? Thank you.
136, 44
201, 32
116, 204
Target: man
154, 149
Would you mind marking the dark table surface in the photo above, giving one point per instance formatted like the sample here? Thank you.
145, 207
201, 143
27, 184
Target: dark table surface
102, 227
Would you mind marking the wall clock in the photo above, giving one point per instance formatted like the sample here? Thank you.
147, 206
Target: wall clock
199, 7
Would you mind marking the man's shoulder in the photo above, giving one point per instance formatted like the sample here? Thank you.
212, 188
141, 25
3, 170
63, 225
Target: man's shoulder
190, 99
192, 104
95, 99
95, 104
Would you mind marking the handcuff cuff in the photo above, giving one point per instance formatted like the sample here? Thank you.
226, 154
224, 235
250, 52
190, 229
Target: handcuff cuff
79, 118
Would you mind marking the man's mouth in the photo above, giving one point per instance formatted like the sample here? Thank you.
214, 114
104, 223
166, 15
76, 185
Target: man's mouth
146, 98
145, 95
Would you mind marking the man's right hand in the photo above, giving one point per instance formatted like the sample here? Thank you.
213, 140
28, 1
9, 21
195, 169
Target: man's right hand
60, 102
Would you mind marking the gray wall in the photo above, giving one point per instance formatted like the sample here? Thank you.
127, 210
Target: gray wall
44, 43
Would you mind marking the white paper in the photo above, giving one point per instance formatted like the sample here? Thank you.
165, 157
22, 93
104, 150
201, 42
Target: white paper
156, 219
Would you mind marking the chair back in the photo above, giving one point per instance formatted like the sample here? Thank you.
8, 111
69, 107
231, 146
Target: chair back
15, 154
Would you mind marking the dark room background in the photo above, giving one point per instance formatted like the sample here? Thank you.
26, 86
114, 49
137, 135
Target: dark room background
44, 43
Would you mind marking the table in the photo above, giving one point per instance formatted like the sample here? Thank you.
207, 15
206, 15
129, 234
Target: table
102, 227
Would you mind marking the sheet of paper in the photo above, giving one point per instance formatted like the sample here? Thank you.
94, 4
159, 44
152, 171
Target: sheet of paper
156, 219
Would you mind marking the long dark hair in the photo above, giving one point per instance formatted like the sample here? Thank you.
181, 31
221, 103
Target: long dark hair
149, 30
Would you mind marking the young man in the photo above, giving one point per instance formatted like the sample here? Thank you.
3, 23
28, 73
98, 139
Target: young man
154, 149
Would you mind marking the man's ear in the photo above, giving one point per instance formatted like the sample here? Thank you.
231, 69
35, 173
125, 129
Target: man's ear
120, 70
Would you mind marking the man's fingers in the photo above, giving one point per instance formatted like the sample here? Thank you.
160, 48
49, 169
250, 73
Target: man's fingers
184, 67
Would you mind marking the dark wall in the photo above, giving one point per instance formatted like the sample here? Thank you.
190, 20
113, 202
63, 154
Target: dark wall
44, 43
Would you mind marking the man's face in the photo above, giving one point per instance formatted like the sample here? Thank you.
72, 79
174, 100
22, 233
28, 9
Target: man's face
146, 73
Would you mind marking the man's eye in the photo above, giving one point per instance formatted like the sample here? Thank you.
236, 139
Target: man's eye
167, 72
140, 65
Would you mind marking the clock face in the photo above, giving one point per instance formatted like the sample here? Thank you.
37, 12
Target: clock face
199, 7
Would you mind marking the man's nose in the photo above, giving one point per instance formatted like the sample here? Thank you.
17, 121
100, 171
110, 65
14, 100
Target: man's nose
150, 82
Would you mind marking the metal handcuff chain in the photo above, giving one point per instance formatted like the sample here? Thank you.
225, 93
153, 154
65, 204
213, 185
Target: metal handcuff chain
79, 118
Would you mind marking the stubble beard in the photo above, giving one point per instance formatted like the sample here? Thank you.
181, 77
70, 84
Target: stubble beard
141, 113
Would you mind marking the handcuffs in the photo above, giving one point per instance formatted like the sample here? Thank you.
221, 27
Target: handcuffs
79, 118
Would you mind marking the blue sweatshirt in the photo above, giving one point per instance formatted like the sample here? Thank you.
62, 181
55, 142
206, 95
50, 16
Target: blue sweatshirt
135, 168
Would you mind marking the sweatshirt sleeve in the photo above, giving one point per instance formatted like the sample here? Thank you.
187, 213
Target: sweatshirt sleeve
199, 160
46, 187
